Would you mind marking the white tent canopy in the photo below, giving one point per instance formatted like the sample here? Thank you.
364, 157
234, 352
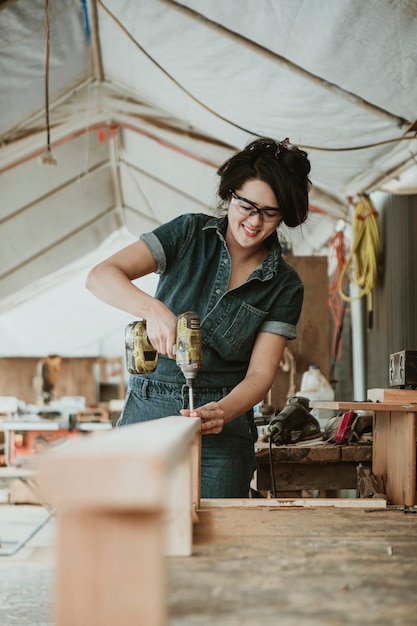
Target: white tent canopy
144, 100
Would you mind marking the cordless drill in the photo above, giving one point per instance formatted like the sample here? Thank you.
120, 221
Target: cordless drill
142, 358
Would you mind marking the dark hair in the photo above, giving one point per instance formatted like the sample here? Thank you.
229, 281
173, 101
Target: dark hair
282, 166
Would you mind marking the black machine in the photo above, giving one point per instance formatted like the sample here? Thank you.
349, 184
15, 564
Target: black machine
403, 369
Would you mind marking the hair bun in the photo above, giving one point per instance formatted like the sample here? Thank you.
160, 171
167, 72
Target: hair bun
294, 159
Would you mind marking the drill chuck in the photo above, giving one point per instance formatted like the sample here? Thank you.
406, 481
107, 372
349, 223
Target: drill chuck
188, 348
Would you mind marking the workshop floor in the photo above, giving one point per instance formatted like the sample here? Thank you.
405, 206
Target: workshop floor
308, 567
26, 578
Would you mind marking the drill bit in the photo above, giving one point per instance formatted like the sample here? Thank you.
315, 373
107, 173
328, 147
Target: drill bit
188, 350
191, 397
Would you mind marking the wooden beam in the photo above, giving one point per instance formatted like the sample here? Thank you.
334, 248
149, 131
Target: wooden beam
277, 503
124, 501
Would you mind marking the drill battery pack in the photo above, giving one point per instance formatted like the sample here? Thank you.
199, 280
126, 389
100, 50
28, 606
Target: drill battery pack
141, 357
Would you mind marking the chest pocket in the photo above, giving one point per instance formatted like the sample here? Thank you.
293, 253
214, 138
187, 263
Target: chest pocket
234, 337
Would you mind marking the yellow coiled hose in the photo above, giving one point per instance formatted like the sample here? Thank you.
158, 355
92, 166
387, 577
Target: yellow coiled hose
361, 266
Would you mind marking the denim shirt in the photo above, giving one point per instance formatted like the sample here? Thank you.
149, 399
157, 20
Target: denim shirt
194, 266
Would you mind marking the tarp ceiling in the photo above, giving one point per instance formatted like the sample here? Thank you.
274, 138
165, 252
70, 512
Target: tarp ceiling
144, 100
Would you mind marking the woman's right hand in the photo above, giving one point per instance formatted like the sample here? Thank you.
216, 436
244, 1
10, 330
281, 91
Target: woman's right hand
161, 328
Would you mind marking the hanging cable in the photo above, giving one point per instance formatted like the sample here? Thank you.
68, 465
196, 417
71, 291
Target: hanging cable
47, 158
176, 82
361, 265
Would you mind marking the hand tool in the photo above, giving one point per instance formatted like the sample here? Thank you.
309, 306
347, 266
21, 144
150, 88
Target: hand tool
142, 358
294, 423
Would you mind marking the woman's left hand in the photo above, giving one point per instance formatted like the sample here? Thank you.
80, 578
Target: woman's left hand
211, 415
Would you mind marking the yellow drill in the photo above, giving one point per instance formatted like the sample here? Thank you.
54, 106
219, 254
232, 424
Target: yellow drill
142, 358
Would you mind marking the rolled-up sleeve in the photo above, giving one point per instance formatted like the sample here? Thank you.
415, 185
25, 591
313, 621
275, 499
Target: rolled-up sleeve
157, 251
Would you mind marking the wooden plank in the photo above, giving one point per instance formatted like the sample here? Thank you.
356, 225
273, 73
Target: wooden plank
196, 474
86, 473
312, 343
392, 395
76, 378
394, 454
296, 468
364, 406
178, 536
306, 476
401, 467
95, 552
288, 566
277, 503
394, 445
299, 454
124, 502
380, 445
356, 453
326, 453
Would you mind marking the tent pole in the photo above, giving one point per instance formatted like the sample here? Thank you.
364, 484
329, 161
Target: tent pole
95, 42
358, 345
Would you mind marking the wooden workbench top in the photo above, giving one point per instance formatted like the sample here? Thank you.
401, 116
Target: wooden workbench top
378, 400
402, 406
316, 451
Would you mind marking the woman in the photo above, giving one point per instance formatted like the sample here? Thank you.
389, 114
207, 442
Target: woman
229, 269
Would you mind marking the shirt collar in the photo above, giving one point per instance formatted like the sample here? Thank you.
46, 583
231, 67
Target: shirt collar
270, 265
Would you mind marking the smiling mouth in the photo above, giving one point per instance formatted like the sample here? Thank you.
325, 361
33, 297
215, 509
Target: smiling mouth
250, 231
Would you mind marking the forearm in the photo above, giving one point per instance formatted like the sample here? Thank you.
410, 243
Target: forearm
265, 360
112, 286
245, 395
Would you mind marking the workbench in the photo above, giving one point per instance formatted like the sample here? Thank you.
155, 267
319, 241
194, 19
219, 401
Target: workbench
310, 465
394, 440
27, 436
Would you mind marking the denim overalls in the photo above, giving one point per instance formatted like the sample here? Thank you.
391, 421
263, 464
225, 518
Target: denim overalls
194, 266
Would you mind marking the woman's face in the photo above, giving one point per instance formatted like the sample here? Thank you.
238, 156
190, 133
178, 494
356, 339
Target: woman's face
248, 227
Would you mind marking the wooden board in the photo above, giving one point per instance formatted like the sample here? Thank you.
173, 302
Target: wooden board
394, 458
300, 477
311, 347
325, 453
320, 567
76, 378
392, 395
394, 445
337, 405
271, 504
326, 467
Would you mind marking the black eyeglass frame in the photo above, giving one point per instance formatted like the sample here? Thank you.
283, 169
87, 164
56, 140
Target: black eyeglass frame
261, 212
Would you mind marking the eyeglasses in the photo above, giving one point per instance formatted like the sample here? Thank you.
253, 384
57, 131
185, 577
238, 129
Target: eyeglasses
248, 208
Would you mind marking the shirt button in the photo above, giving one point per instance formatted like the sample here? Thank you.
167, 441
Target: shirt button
217, 290
226, 261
